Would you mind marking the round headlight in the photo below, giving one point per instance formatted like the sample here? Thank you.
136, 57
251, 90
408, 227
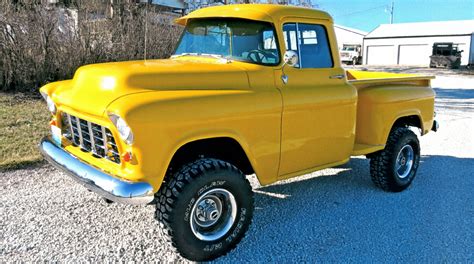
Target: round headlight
122, 127
51, 105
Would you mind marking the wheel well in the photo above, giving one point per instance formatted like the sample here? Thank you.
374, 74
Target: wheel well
404, 121
224, 148
408, 121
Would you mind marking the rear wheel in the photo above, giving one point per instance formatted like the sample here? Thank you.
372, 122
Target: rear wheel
394, 168
205, 209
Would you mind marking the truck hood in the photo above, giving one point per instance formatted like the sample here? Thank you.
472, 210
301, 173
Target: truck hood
96, 86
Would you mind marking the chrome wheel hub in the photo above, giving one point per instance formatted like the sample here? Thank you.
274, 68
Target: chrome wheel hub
213, 214
208, 211
404, 161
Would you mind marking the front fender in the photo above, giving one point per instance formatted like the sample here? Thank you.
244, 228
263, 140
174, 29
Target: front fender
163, 121
52, 87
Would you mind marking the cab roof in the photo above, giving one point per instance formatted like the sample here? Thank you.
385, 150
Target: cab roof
260, 12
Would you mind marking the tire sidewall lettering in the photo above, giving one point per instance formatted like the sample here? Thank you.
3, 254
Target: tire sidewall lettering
238, 226
209, 186
213, 247
188, 209
231, 235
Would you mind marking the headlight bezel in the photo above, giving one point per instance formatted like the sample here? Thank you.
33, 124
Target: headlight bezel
50, 103
123, 129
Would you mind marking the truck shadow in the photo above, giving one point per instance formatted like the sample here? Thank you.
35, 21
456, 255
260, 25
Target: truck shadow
339, 215
442, 93
455, 99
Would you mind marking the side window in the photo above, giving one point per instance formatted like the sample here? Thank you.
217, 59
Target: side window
315, 52
311, 43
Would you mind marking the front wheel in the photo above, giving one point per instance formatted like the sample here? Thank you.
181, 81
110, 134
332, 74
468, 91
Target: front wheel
205, 209
394, 168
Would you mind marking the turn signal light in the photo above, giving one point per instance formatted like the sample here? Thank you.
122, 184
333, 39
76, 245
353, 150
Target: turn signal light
127, 157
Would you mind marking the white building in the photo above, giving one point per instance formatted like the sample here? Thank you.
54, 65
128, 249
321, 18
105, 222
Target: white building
412, 43
347, 35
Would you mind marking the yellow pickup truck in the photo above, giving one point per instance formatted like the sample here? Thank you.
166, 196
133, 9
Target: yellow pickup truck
250, 89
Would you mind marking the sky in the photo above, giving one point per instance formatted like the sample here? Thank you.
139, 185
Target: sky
366, 15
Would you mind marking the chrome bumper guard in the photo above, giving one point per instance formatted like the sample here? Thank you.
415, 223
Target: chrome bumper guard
94, 179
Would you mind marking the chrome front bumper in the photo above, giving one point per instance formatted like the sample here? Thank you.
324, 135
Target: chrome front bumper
94, 179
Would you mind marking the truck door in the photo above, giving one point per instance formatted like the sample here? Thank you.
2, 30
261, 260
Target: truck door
319, 106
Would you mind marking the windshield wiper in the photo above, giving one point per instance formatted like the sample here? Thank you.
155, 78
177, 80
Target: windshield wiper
184, 54
217, 56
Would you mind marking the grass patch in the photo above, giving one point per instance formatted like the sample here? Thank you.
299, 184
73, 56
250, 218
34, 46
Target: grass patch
24, 120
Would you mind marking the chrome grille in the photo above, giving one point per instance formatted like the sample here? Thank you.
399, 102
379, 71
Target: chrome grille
90, 137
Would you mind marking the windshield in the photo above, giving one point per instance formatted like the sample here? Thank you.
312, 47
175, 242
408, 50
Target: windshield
235, 39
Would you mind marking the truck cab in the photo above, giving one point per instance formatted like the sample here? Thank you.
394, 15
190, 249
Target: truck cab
251, 89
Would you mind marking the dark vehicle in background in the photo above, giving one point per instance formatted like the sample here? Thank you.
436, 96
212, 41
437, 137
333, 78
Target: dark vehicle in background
445, 54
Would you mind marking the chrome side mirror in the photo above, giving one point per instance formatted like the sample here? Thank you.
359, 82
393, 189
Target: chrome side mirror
291, 59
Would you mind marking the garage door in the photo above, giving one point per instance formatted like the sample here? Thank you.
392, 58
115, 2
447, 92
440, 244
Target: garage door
414, 55
381, 55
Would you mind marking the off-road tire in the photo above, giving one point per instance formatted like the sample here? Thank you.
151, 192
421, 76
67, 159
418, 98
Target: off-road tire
177, 197
382, 164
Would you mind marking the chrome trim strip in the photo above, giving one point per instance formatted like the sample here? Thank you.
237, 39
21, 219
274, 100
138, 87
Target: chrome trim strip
79, 130
106, 149
337, 76
113, 152
71, 128
94, 179
91, 137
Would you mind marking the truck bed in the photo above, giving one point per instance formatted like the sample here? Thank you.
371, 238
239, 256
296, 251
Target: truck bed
383, 99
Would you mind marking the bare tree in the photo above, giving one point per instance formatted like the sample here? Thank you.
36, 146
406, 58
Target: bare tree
42, 43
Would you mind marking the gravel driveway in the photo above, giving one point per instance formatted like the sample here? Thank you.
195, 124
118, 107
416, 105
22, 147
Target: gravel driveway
334, 215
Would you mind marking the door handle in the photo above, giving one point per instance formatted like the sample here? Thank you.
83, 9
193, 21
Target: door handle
338, 76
